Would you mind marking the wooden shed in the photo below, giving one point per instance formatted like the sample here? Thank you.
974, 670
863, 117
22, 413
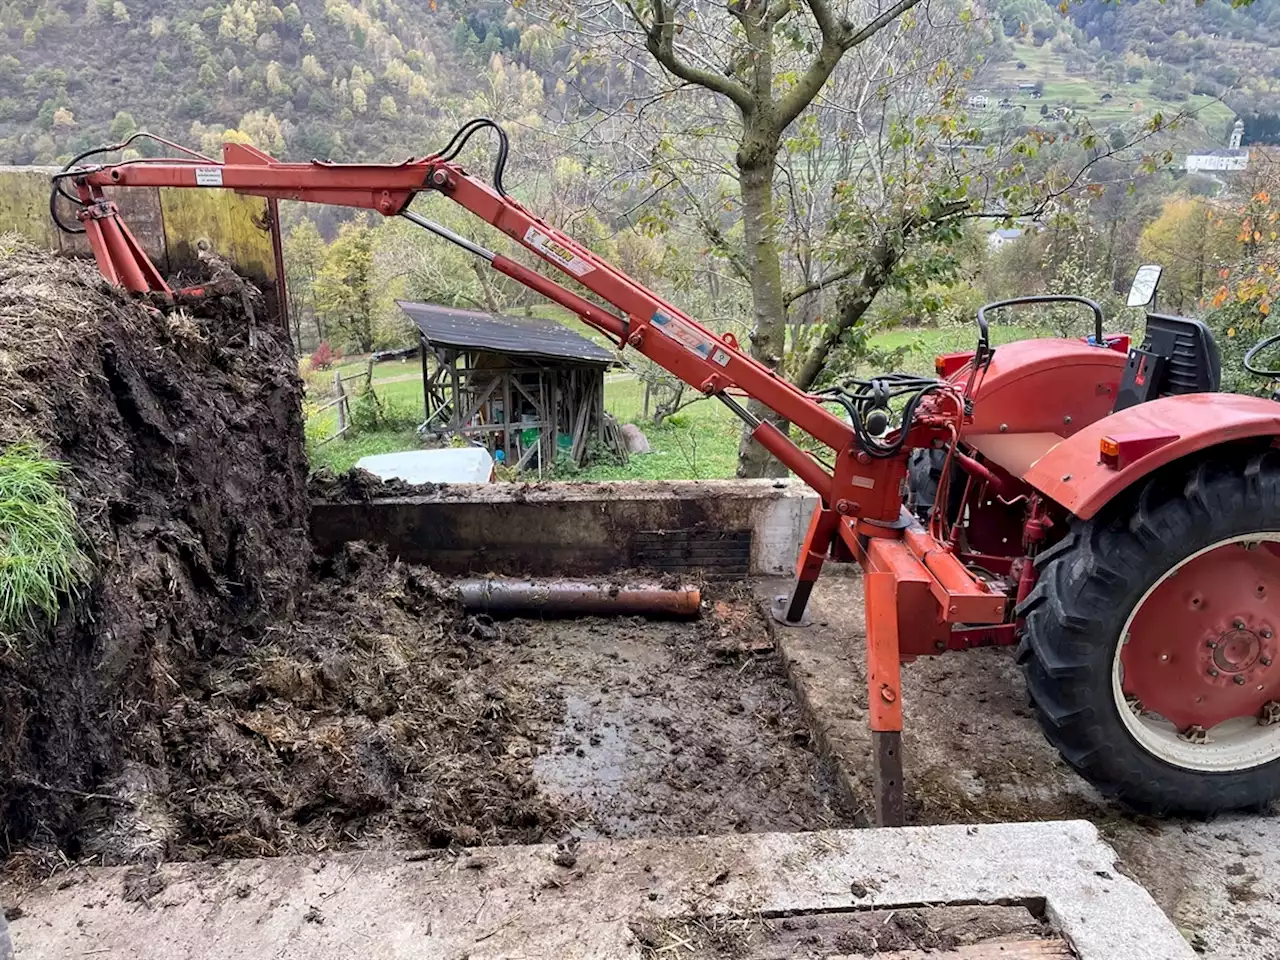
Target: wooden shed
528, 389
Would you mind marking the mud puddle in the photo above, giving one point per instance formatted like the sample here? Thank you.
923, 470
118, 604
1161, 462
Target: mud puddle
667, 731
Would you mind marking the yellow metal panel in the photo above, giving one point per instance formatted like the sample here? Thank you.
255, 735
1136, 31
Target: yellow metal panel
232, 226
24, 204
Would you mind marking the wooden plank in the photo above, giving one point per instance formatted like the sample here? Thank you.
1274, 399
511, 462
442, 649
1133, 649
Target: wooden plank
340, 396
480, 401
1021, 950
426, 383
506, 415
334, 437
528, 396
580, 426
457, 399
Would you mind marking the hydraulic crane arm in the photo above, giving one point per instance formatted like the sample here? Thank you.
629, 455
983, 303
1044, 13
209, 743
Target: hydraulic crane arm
915, 583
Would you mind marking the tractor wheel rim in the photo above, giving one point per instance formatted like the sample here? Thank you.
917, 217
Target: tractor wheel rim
1193, 675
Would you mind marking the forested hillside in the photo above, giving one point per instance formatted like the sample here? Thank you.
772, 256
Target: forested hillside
874, 204
302, 79
1212, 48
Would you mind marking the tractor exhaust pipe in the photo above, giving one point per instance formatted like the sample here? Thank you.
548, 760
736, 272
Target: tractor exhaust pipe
576, 598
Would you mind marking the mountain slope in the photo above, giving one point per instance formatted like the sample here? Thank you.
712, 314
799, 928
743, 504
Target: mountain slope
308, 78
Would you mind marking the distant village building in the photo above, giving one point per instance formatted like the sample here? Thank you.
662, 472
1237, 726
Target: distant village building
980, 101
999, 237
1233, 157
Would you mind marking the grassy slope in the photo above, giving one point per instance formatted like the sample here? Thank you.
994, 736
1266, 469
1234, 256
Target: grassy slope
1130, 101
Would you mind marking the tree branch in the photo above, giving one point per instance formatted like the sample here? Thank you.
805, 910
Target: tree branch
659, 40
779, 9
875, 274
836, 39
879, 23
825, 19
819, 284
793, 103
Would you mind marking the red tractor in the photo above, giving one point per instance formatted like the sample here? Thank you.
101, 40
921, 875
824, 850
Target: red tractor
1095, 502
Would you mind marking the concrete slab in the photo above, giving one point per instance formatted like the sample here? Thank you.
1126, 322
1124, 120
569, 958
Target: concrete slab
973, 753
518, 902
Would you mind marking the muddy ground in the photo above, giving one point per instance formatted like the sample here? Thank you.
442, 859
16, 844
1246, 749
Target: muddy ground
855, 933
215, 691
677, 728
181, 429
380, 715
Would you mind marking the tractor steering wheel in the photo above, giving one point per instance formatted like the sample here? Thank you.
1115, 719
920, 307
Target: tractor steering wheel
984, 339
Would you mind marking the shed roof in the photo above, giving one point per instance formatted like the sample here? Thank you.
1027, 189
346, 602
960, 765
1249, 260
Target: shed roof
474, 330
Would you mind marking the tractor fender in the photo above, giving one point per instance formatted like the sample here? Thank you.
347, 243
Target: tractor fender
1073, 473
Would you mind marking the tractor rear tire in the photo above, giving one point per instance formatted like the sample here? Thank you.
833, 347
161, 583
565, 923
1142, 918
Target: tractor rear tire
924, 475
1081, 620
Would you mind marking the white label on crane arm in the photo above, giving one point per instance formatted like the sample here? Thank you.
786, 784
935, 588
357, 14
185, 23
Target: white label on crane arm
208, 176
689, 337
557, 252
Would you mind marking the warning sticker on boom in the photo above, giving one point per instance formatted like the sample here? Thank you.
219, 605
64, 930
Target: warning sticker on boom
689, 337
208, 176
557, 252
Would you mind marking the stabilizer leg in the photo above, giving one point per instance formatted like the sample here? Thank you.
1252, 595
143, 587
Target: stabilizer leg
792, 610
884, 696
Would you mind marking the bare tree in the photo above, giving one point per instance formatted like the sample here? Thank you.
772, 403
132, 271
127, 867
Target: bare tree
820, 148
768, 60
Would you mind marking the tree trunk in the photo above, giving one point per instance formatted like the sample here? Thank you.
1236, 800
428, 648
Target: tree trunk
768, 337
486, 289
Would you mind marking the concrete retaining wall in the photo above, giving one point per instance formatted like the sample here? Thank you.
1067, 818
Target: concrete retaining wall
716, 527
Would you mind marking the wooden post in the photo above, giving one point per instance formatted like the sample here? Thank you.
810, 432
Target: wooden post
426, 392
597, 397
506, 416
340, 396
457, 393
557, 398
646, 399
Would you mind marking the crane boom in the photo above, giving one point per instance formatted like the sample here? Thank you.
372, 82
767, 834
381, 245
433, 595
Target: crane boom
914, 579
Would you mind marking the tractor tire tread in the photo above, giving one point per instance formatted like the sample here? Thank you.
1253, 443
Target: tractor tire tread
1087, 584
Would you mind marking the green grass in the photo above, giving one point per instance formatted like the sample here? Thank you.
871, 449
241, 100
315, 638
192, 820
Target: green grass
341, 455
688, 446
922, 344
41, 561
401, 402
699, 442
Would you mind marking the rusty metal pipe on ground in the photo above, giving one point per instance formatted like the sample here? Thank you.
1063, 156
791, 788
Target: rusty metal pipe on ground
511, 597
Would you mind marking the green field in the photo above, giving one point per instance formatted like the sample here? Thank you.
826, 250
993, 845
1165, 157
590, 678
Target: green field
1129, 103
700, 442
